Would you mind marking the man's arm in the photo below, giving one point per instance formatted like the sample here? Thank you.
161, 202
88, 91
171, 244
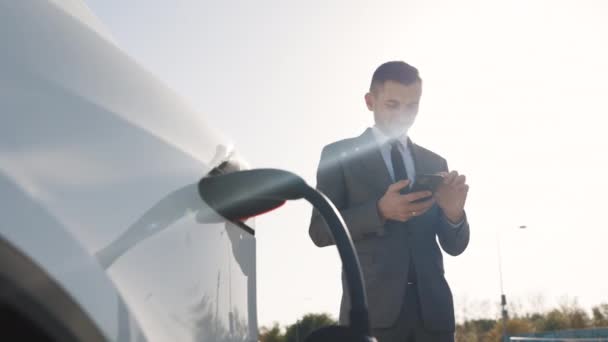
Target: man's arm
453, 236
360, 220
453, 240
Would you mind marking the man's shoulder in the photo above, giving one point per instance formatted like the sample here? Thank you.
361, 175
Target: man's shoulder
345, 149
342, 145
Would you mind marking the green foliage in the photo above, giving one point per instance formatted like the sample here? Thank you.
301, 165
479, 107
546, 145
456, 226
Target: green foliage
303, 327
600, 315
515, 326
567, 316
271, 334
554, 320
298, 331
475, 330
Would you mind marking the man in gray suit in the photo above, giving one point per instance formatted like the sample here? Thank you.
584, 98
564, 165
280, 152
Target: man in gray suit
395, 231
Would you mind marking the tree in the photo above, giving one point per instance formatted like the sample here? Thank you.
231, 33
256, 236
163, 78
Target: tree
515, 326
297, 332
554, 320
569, 315
474, 330
272, 335
600, 315
578, 319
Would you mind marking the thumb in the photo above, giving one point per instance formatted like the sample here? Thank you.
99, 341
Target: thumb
396, 187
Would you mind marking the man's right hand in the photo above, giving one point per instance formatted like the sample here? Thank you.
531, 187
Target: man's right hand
398, 207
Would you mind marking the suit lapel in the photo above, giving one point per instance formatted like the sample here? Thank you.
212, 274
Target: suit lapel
373, 167
370, 161
420, 164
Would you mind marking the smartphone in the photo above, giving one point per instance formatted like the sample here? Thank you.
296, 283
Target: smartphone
426, 182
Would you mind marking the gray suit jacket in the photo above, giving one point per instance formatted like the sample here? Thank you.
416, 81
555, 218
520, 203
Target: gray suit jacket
354, 176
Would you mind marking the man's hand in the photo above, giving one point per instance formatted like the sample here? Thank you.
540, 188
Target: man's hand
398, 207
452, 195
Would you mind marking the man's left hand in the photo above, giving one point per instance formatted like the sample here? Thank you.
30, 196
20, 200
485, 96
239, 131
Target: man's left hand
452, 195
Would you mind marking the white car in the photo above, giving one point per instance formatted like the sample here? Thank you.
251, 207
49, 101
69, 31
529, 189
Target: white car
101, 231
123, 216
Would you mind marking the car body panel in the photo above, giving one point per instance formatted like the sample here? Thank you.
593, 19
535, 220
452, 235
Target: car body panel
112, 155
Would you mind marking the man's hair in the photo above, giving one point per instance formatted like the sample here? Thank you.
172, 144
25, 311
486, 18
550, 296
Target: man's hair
396, 71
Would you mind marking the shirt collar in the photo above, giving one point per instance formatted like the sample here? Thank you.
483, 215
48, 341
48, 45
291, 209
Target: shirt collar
383, 139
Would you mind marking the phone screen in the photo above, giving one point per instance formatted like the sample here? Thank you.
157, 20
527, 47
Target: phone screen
427, 183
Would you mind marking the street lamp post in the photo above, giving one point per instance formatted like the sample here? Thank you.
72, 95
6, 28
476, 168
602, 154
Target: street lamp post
503, 297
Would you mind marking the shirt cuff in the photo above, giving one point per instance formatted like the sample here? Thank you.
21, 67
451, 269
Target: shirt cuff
454, 225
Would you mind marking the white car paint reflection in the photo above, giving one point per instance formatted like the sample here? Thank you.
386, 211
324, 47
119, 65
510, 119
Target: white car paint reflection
98, 163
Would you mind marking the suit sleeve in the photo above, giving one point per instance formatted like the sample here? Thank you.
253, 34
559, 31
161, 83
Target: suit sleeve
453, 240
361, 220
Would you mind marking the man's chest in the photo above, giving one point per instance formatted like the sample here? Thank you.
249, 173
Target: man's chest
368, 175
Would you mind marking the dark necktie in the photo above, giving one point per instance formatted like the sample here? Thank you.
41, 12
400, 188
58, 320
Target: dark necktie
400, 174
398, 165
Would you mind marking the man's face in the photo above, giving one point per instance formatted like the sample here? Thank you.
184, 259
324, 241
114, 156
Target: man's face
395, 106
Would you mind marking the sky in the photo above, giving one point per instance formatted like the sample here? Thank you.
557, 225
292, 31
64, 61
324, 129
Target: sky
514, 98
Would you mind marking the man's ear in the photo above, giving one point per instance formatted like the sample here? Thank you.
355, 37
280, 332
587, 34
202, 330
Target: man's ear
369, 101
